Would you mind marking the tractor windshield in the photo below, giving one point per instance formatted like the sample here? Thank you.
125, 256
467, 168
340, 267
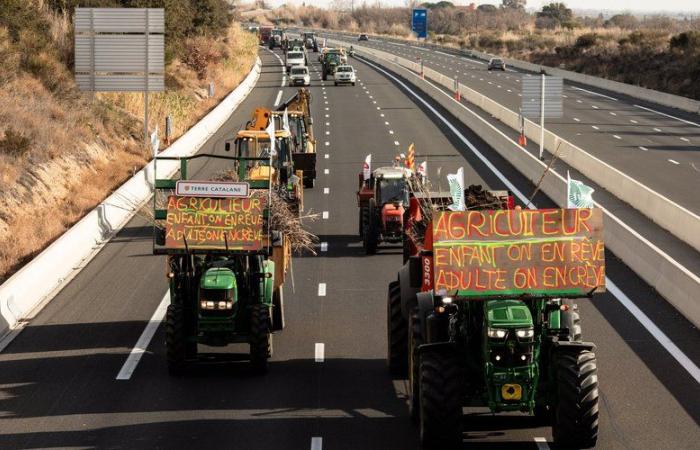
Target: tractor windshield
392, 190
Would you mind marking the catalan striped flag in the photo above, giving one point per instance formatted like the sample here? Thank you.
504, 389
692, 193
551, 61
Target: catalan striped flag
411, 157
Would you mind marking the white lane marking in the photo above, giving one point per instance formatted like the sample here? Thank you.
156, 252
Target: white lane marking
668, 115
328, 124
319, 352
327, 132
391, 131
658, 130
577, 119
374, 101
324, 246
325, 215
595, 127
139, 349
326, 171
616, 136
381, 115
396, 143
378, 108
541, 443
326, 156
595, 107
326, 102
673, 161
446, 54
316, 443
509, 90
386, 123
633, 121
612, 113
685, 139
579, 101
593, 93
643, 148
327, 143
326, 191
327, 116
563, 95
321, 289
327, 108
278, 98
642, 318
370, 96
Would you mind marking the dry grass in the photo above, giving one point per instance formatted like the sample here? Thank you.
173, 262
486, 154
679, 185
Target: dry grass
81, 148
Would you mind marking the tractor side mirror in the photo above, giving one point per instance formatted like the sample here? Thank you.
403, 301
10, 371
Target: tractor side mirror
227, 146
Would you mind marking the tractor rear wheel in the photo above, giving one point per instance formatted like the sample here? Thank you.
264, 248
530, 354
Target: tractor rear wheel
415, 339
441, 392
260, 337
371, 232
397, 330
572, 320
309, 182
576, 409
175, 339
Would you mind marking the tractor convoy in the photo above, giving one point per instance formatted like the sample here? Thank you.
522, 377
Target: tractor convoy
481, 314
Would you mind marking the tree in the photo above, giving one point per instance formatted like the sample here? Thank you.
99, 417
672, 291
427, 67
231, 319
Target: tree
624, 21
487, 8
557, 12
513, 4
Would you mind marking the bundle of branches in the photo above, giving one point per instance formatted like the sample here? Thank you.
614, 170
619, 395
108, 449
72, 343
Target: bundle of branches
282, 217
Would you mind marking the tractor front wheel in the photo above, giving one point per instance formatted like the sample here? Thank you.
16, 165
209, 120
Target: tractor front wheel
576, 409
175, 339
441, 392
397, 330
415, 339
260, 337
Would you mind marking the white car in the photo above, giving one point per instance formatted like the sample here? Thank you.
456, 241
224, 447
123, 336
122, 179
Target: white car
299, 75
295, 59
345, 74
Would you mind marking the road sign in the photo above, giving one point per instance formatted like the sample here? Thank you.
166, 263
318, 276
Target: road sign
532, 97
419, 24
212, 189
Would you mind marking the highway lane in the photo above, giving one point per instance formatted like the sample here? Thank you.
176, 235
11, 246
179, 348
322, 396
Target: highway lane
655, 145
57, 380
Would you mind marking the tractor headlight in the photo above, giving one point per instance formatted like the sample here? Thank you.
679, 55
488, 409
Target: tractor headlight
525, 333
446, 300
496, 333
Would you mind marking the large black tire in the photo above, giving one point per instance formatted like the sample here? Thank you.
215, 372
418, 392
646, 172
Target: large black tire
175, 339
441, 392
576, 410
397, 333
309, 182
363, 220
260, 337
278, 310
415, 339
572, 320
371, 233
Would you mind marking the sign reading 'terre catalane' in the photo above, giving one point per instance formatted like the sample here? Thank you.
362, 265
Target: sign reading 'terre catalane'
552, 252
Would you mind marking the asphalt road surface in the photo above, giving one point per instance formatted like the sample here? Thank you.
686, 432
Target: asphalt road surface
328, 385
656, 145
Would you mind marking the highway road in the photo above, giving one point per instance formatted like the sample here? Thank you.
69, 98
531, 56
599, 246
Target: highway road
656, 145
328, 386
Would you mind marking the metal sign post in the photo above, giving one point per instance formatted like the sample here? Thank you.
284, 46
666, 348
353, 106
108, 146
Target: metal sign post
542, 98
120, 50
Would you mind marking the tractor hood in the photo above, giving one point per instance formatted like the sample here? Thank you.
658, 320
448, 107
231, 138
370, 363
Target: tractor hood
218, 278
507, 314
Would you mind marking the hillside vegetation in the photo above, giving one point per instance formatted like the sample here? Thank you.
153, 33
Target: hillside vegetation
63, 151
656, 52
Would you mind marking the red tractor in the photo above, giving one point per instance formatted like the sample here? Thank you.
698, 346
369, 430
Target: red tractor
383, 199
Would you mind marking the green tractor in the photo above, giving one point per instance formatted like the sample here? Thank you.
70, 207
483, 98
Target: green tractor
329, 63
490, 321
225, 266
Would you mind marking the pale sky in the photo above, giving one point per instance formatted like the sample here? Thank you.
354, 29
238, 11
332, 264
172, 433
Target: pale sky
609, 5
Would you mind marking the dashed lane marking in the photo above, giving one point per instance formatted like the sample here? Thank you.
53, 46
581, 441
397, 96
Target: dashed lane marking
326, 191
319, 352
673, 161
278, 98
321, 289
325, 215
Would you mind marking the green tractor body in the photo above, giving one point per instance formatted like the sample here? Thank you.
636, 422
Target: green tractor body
225, 288
330, 62
507, 345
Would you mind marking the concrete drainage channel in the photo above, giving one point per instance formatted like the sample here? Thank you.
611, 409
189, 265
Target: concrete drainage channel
638, 253
21, 297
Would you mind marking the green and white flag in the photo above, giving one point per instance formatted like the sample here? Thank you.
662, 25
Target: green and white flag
578, 195
456, 182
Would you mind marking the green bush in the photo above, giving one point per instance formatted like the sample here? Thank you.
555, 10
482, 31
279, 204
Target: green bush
586, 40
687, 41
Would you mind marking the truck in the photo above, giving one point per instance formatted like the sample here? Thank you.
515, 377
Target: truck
264, 34
302, 140
225, 265
382, 199
309, 38
277, 38
482, 313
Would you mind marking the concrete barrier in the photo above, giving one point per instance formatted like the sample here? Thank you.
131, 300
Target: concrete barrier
673, 281
28, 290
